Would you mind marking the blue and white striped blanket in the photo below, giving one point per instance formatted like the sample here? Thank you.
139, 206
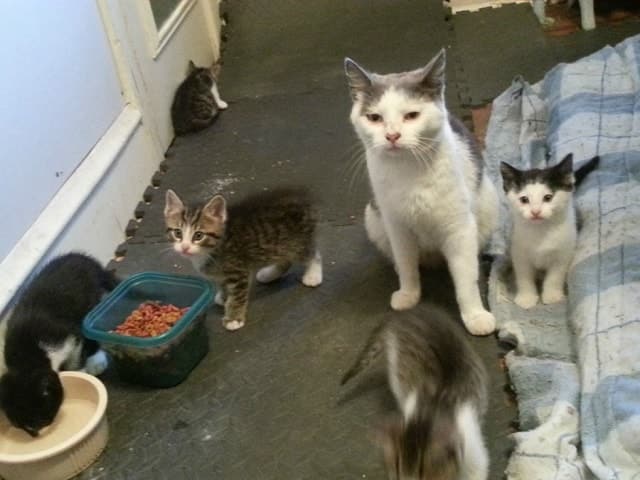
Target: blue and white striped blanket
576, 366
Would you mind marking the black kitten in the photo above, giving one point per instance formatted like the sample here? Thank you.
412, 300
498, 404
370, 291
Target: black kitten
44, 336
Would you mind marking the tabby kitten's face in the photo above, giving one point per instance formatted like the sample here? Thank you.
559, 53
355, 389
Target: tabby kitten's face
401, 111
195, 231
538, 195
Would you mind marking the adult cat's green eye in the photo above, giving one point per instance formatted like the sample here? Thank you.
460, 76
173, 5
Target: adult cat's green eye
177, 233
524, 199
374, 117
411, 115
547, 198
197, 236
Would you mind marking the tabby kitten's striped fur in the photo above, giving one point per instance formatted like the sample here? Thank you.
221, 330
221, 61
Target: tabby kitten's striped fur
197, 101
265, 233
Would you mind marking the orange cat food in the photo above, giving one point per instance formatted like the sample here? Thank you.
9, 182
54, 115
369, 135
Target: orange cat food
151, 319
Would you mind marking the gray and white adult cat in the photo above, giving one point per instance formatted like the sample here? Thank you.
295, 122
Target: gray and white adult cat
43, 336
197, 101
431, 193
265, 233
544, 230
440, 385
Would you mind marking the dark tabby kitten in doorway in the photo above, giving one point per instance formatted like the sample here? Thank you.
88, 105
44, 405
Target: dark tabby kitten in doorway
265, 233
43, 336
440, 385
197, 101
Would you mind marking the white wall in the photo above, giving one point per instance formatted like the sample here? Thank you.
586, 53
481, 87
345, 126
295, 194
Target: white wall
60, 94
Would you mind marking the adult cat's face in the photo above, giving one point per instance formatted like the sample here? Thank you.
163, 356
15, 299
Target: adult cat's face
194, 231
398, 112
539, 194
31, 400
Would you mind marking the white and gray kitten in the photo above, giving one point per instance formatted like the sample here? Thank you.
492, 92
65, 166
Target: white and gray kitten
431, 193
440, 386
544, 232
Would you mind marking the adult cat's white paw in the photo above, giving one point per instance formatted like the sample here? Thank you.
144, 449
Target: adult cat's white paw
232, 324
96, 363
526, 300
313, 274
480, 322
219, 298
405, 299
222, 105
552, 296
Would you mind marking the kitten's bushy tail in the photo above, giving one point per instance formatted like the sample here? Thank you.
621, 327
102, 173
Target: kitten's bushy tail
369, 353
585, 170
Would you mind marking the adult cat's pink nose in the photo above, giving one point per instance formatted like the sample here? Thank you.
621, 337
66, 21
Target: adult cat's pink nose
392, 137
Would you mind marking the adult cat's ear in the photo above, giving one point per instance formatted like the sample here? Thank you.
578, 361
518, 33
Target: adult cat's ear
216, 208
433, 74
192, 66
173, 205
358, 78
510, 176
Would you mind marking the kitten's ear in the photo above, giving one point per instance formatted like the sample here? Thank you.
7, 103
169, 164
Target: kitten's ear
433, 74
510, 176
565, 166
192, 67
357, 77
173, 205
216, 208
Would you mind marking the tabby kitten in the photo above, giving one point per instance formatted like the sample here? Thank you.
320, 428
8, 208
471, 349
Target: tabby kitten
43, 336
265, 233
543, 238
440, 385
197, 101
431, 194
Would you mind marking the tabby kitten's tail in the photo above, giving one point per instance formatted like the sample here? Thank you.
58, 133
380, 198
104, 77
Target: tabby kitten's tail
371, 351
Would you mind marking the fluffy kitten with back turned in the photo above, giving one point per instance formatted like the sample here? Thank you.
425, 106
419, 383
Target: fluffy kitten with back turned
544, 233
439, 383
43, 336
431, 193
197, 101
265, 233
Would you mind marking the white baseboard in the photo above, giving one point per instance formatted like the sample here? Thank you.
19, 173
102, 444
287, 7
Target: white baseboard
91, 210
473, 5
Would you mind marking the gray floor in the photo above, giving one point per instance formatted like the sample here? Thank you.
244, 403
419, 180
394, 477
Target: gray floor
265, 403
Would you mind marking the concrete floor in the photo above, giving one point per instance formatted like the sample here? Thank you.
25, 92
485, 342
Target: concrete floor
265, 403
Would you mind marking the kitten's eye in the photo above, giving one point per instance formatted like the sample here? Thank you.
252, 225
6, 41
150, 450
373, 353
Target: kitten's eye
547, 198
411, 115
374, 117
524, 199
197, 236
177, 233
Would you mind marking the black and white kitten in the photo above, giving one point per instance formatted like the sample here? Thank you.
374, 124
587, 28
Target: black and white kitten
197, 101
544, 233
440, 385
43, 336
265, 233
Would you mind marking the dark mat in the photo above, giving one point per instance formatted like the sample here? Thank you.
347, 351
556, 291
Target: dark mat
265, 402
495, 45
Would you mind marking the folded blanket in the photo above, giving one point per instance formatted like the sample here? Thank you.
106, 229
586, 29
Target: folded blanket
589, 107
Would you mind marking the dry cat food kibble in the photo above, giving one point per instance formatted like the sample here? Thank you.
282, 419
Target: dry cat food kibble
151, 319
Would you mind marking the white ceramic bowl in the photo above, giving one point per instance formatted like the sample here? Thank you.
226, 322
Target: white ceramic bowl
70, 444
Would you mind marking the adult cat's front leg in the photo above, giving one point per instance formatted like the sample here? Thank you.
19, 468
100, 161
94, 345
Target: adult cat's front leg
461, 253
237, 285
405, 250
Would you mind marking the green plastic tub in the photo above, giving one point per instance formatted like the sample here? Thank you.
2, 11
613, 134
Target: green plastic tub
165, 360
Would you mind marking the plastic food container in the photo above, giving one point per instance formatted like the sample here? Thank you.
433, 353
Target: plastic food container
165, 360
74, 440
